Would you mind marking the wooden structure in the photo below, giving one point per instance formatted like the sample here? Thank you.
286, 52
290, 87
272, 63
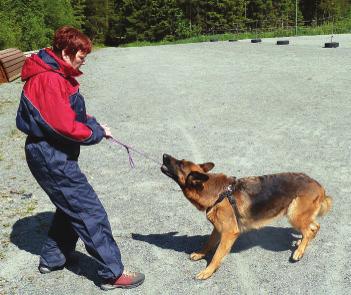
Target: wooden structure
11, 62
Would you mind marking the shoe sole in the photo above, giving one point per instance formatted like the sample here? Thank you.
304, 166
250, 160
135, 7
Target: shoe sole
45, 270
107, 287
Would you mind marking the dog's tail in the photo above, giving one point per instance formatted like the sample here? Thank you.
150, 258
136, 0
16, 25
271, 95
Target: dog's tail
325, 205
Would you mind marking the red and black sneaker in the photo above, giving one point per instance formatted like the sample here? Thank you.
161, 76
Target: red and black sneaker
126, 280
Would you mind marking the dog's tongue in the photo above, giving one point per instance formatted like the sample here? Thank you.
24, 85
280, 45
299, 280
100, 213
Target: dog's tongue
164, 168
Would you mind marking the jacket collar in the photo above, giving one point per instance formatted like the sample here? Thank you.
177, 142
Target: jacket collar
56, 63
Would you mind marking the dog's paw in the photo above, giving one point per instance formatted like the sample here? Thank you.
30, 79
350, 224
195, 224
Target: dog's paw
203, 275
196, 256
298, 254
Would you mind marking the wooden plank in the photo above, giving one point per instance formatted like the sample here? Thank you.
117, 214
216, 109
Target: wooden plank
3, 77
12, 68
11, 62
20, 59
7, 50
14, 75
9, 54
10, 57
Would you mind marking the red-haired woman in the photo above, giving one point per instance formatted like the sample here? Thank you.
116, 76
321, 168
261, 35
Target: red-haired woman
52, 114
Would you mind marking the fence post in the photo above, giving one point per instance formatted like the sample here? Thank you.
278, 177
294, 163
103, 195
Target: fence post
295, 17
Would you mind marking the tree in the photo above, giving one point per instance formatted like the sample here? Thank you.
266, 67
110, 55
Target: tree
10, 32
32, 22
318, 11
79, 7
97, 22
150, 20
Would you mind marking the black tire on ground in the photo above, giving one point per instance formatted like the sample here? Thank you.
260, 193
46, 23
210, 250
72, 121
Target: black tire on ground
283, 42
256, 40
331, 45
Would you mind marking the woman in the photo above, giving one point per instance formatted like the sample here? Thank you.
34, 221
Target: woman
52, 113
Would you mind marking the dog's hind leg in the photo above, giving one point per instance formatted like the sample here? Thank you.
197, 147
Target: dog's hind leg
302, 214
211, 243
226, 242
307, 235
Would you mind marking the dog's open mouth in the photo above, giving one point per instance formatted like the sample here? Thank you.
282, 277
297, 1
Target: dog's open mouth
167, 171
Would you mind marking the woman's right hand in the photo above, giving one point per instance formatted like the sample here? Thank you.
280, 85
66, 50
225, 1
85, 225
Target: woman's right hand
107, 130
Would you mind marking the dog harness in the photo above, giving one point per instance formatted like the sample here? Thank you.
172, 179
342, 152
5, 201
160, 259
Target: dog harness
229, 194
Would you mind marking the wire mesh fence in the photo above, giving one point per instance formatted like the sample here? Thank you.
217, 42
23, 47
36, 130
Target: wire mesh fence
326, 25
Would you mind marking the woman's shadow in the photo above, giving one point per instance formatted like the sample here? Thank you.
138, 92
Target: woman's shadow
30, 233
275, 239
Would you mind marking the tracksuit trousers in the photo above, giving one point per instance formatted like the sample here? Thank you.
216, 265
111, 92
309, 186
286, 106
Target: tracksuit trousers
79, 212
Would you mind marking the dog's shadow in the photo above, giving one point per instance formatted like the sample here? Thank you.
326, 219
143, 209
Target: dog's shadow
275, 239
30, 233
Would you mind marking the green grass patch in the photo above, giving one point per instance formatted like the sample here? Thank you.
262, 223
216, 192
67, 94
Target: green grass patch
329, 28
31, 207
98, 46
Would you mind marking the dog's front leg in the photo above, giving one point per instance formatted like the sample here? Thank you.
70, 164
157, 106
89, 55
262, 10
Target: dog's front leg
226, 243
211, 243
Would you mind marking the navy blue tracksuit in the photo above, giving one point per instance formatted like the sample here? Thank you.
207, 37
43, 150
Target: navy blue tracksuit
52, 114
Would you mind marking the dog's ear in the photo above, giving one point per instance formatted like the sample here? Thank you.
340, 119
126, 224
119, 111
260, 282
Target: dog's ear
196, 179
207, 166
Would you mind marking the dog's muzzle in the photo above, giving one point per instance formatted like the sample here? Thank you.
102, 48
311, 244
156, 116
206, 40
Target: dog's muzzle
166, 167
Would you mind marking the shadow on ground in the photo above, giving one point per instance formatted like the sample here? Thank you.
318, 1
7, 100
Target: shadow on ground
270, 238
30, 233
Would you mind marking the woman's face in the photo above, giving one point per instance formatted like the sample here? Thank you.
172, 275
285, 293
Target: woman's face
77, 61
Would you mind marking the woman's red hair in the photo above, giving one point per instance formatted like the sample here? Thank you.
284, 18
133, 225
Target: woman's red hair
71, 40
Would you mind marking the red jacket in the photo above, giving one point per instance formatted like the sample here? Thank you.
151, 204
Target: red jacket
51, 106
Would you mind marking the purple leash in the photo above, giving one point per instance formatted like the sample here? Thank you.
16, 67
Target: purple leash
129, 148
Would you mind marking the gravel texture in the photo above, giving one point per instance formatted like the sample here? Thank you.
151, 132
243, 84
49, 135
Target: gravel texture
252, 109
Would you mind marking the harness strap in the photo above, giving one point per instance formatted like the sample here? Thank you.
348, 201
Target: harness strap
229, 194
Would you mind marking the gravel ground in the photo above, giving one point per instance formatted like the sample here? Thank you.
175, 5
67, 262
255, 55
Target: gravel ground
250, 108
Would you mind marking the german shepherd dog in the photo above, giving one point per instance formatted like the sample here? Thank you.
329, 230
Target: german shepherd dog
234, 206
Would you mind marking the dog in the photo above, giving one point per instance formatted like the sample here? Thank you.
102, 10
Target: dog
234, 206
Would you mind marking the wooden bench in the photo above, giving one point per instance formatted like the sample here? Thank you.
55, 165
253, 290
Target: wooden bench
11, 62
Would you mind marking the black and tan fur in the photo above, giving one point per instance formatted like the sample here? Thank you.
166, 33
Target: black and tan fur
259, 200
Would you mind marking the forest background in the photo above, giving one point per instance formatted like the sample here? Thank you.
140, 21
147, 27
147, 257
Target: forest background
29, 24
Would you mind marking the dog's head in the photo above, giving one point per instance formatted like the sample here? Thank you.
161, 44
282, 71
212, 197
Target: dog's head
186, 173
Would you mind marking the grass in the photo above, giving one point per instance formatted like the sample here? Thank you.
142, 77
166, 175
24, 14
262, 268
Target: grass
31, 207
340, 27
4, 104
15, 134
98, 46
